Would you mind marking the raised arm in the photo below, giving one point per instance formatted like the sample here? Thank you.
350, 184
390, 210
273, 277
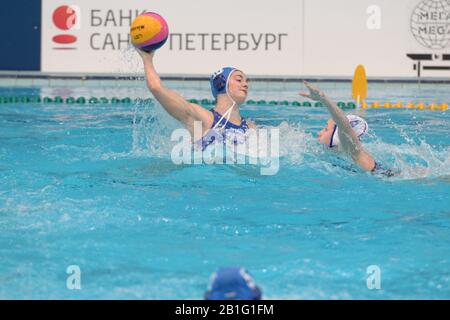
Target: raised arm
348, 139
175, 105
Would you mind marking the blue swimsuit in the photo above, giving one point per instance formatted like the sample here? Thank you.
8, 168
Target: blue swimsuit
219, 128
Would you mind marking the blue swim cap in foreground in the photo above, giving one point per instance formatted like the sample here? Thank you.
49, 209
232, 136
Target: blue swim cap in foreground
219, 80
232, 284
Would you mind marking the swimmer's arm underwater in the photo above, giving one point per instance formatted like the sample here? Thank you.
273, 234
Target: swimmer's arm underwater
175, 104
349, 141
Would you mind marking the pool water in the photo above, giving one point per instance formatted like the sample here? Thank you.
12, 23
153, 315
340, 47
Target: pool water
94, 186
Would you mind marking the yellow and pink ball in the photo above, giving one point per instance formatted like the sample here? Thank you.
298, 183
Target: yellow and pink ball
149, 31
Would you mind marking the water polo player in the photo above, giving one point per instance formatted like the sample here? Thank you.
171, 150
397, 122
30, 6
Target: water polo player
343, 132
149, 31
230, 88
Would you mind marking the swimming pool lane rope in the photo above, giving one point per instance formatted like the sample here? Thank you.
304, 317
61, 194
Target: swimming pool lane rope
208, 102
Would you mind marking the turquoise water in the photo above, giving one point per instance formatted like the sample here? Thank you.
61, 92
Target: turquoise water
94, 186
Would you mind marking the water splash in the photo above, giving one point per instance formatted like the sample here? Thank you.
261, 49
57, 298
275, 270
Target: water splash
413, 160
152, 128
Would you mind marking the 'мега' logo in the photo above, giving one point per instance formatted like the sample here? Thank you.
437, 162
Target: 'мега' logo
430, 26
430, 23
66, 18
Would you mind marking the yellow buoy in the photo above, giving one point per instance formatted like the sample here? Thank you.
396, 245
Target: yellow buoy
433, 106
359, 85
420, 106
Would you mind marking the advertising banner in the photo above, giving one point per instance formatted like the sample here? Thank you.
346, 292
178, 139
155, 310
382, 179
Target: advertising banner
287, 38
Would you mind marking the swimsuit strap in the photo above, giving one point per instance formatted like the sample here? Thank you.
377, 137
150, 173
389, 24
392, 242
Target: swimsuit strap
218, 121
206, 140
226, 114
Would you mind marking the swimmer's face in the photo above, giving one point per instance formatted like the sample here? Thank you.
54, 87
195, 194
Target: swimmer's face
238, 86
324, 136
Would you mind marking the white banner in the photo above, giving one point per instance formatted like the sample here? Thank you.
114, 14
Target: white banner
261, 37
402, 38
378, 34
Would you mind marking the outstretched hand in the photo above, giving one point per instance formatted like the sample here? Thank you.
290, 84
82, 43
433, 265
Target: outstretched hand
314, 93
144, 54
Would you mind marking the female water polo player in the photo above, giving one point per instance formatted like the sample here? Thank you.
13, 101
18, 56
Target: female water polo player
230, 88
343, 133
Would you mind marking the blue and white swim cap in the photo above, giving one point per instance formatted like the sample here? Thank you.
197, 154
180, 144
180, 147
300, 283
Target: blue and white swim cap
232, 284
358, 124
219, 80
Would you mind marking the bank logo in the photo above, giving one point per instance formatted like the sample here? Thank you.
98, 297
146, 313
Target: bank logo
430, 26
66, 18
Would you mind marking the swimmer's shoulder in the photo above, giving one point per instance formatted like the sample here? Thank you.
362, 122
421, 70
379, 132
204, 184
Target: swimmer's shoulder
198, 113
250, 123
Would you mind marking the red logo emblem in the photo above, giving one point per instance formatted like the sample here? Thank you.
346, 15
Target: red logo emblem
65, 18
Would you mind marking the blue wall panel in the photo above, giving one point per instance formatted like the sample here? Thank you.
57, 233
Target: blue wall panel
20, 35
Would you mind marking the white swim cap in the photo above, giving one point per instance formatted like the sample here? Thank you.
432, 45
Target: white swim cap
358, 124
